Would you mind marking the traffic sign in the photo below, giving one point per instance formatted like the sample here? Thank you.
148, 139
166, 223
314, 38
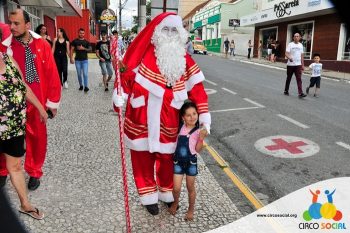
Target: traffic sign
284, 146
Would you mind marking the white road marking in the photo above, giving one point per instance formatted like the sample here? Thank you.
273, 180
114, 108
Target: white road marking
234, 109
232, 92
212, 83
255, 103
210, 91
293, 121
332, 79
342, 144
263, 65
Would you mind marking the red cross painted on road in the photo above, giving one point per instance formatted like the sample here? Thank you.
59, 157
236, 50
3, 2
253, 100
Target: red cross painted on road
291, 147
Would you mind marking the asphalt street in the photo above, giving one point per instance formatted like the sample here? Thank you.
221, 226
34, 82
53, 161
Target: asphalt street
247, 104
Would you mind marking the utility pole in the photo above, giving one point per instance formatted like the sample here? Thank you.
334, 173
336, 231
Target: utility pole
120, 17
164, 5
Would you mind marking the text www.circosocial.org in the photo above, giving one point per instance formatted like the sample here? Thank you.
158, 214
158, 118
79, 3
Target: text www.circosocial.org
277, 215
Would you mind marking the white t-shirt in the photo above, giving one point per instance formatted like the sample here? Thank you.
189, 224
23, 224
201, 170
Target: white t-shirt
316, 69
296, 51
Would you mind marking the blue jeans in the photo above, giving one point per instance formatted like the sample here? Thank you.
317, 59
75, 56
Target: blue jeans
82, 70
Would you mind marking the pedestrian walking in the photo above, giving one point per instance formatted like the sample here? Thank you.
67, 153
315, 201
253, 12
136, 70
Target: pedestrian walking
189, 143
226, 46
189, 46
81, 47
104, 56
295, 64
36, 61
316, 68
14, 93
260, 49
60, 51
42, 31
273, 52
249, 48
157, 90
121, 47
232, 48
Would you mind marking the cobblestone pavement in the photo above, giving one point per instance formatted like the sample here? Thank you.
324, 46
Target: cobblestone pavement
82, 191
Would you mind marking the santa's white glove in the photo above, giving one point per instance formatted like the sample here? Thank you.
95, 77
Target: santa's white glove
207, 127
118, 100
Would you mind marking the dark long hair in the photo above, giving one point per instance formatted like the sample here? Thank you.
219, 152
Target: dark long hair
64, 34
188, 104
38, 28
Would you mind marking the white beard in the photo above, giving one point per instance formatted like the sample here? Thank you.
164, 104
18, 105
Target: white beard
170, 53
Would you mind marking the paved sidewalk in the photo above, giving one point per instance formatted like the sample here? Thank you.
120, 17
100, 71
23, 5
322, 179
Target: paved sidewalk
281, 65
82, 191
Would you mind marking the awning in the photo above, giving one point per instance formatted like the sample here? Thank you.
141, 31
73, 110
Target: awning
194, 29
58, 7
41, 3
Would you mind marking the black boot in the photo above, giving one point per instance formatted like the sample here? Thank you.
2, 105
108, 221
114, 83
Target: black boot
2, 181
33, 183
152, 209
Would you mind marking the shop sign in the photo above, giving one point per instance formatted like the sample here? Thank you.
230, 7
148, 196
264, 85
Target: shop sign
108, 16
234, 22
283, 8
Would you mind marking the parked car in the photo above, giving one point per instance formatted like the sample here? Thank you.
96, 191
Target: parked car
198, 47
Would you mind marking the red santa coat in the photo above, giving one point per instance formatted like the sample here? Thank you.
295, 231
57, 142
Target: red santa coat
152, 110
48, 91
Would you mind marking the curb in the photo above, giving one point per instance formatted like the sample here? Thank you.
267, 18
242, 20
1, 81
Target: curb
244, 60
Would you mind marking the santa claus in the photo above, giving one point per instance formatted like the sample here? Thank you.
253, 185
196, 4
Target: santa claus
159, 77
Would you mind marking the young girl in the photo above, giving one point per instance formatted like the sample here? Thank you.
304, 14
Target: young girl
189, 143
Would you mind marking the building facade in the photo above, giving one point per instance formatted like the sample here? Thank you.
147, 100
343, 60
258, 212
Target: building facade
89, 21
218, 21
42, 12
318, 23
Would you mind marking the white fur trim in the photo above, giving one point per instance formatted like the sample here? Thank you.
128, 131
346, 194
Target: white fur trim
205, 118
149, 199
136, 69
166, 196
141, 144
7, 42
177, 104
153, 121
149, 86
193, 80
137, 102
52, 105
172, 21
180, 95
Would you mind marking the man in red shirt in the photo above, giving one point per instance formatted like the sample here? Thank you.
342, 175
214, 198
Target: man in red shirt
37, 64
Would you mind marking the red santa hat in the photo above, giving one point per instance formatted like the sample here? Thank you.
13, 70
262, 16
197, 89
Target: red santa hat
140, 44
5, 28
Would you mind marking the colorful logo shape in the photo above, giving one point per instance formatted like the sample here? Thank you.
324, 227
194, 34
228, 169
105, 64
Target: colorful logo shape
326, 211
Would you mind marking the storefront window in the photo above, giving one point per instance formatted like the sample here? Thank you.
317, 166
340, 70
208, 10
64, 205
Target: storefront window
267, 36
305, 31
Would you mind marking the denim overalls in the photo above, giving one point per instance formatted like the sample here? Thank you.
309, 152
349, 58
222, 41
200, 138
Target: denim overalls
184, 161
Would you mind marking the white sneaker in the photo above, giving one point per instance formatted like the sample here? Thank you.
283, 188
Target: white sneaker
65, 85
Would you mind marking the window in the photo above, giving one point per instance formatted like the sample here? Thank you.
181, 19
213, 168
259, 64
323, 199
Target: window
34, 15
267, 35
306, 33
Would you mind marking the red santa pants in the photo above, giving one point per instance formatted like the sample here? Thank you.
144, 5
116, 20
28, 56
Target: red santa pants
153, 185
36, 142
